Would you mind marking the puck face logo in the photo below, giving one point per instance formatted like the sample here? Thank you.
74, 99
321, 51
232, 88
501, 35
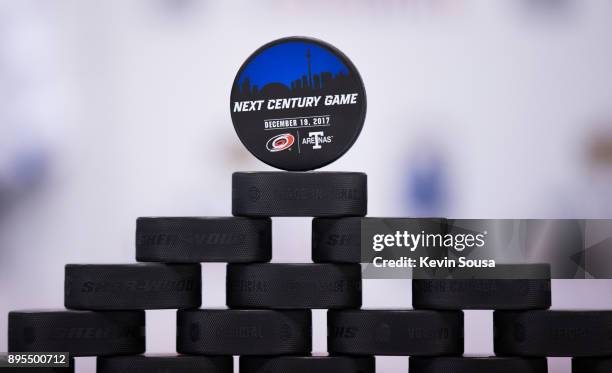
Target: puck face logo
298, 104
280, 142
316, 139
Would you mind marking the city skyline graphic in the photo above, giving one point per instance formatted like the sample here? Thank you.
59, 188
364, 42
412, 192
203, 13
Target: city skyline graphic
292, 68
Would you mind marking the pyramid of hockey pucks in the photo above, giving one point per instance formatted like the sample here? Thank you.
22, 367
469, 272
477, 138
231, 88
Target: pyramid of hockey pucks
297, 104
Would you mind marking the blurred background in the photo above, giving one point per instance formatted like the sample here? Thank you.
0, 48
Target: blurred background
110, 110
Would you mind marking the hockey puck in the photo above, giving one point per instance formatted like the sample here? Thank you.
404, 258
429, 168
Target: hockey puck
592, 365
307, 364
194, 240
293, 286
553, 333
395, 332
338, 240
80, 333
298, 104
483, 293
299, 194
165, 364
132, 286
244, 332
491, 364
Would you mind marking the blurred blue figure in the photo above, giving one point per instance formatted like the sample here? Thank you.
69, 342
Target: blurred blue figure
426, 184
29, 167
23, 170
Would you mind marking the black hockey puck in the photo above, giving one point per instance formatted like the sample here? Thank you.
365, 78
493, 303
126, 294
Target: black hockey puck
553, 333
165, 364
338, 240
491, 364
142, 286
299, 194
486, 293
307, 364
395, 332
293, 286
244, 332
298, 104
195, 239
592, 365
80, 333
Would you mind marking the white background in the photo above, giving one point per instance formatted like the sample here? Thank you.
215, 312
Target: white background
124, 106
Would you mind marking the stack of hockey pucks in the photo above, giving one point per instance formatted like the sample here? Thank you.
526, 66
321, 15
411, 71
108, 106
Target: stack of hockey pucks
382, 332
105, 309
526, 331
519, 295
503, 288
268, 322
297, 104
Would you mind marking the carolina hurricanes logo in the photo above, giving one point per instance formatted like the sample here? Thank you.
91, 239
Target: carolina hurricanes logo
280, 142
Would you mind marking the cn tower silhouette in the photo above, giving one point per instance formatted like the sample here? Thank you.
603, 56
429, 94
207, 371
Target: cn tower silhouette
309, 69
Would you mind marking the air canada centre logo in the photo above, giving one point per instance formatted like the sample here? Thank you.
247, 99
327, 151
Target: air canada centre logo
280, 142
298, 93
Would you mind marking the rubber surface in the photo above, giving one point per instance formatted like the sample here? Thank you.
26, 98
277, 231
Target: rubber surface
244, 332
553, 333
132, 286
165, 364
395, 332
81, 333
308, 364
299, 194
195, 240
336, 240
592, 365
491, 364
486, 294
293, 286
